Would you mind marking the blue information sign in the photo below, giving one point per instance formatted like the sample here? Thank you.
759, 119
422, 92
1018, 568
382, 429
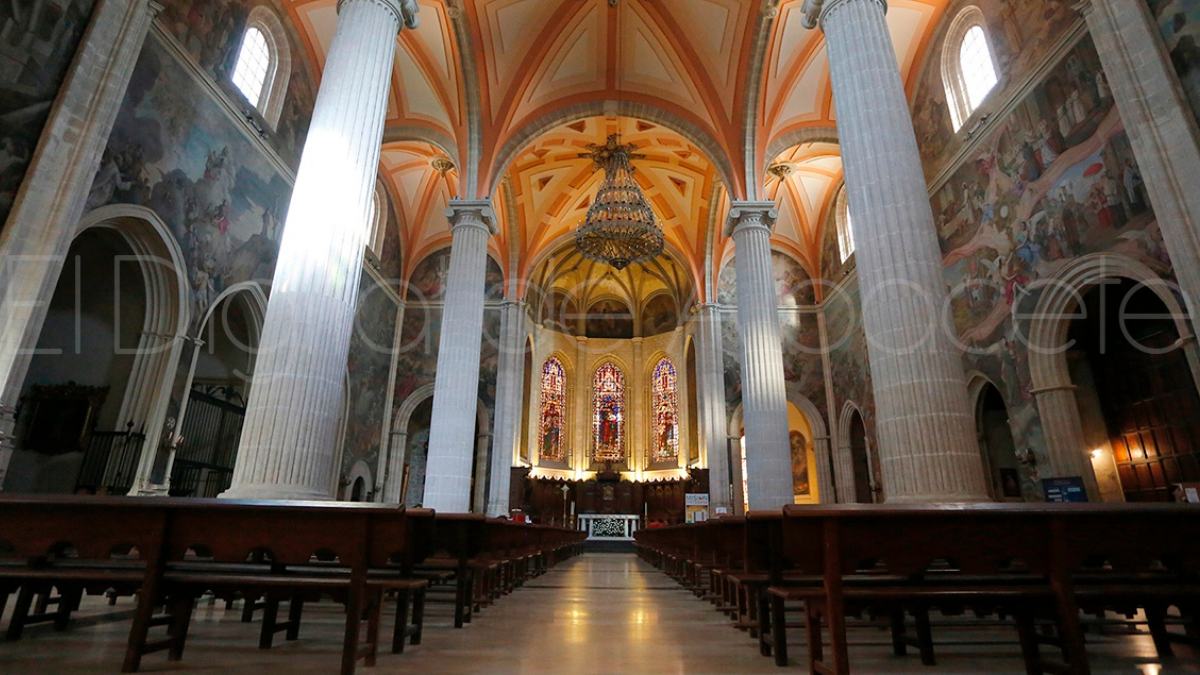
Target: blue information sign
1068, 489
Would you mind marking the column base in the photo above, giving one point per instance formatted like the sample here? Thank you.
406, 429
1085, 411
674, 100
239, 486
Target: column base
279, 492
150, 491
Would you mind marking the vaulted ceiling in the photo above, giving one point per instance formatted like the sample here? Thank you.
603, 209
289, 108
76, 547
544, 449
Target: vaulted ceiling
712, 91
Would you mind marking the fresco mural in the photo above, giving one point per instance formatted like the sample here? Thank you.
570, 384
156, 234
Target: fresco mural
367, 369
489, 358
428, 280
800, 480
1021, 37
36, 48
390, 260
609, 319
1179, 22
1054, 181
176, 152
849, 364
416, 360
659, 316
833, 269
803, 372
731, 344
792, 282
211, 32
559, 311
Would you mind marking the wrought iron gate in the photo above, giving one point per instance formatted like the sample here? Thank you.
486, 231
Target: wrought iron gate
211, 431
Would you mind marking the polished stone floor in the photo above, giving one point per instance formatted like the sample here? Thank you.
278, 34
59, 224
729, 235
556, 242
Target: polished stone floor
599, 613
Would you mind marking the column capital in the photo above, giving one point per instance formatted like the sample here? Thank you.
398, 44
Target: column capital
815, 11
475, 212
747, 215
405, 11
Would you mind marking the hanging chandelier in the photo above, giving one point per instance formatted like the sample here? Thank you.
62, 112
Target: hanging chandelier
620, 228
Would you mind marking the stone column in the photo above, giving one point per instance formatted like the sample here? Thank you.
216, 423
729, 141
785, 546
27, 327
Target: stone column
710, 397
924, 420
1058, 411
1161, 125
51, 200
830, 493
397, 449
291, 428
637, 457
764, 397
391, 459
456, 387
510, 385
581, 405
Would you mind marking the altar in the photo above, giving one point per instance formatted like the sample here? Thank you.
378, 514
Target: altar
609, 526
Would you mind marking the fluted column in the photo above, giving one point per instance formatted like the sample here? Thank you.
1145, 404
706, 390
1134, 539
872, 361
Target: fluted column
710, 394
764, 396
581, 406
48, 207
924, 423
510, 383
1058, 411
1161, 126
290, 432
456, 387
831, 482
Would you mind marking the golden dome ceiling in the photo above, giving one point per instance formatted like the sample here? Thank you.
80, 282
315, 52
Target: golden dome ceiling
713, 91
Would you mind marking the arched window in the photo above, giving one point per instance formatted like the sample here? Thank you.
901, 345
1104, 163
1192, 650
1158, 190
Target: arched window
552, 418
968, 66
378, 221
263, 64
664, 413
608, 414
845, 227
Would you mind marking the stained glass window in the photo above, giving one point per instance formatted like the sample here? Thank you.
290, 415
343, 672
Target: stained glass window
664, 412
552, 419
608, 414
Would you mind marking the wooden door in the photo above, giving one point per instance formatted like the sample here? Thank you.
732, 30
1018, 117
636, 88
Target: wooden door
1152, 410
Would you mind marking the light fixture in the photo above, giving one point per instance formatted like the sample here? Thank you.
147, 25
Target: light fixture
620, 228
1097, 453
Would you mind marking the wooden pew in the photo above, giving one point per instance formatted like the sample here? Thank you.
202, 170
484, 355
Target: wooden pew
309, 550
63, 544
1026, 561
171, 551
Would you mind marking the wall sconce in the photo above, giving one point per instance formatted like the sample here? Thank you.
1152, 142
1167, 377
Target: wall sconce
1097, 453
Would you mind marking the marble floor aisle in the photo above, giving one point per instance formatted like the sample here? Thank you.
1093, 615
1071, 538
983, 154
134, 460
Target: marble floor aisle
599, 613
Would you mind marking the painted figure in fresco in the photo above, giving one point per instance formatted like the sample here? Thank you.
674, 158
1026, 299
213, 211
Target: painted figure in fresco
1015, 279
1134, 186
1048, 145
109, 179
799, 463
